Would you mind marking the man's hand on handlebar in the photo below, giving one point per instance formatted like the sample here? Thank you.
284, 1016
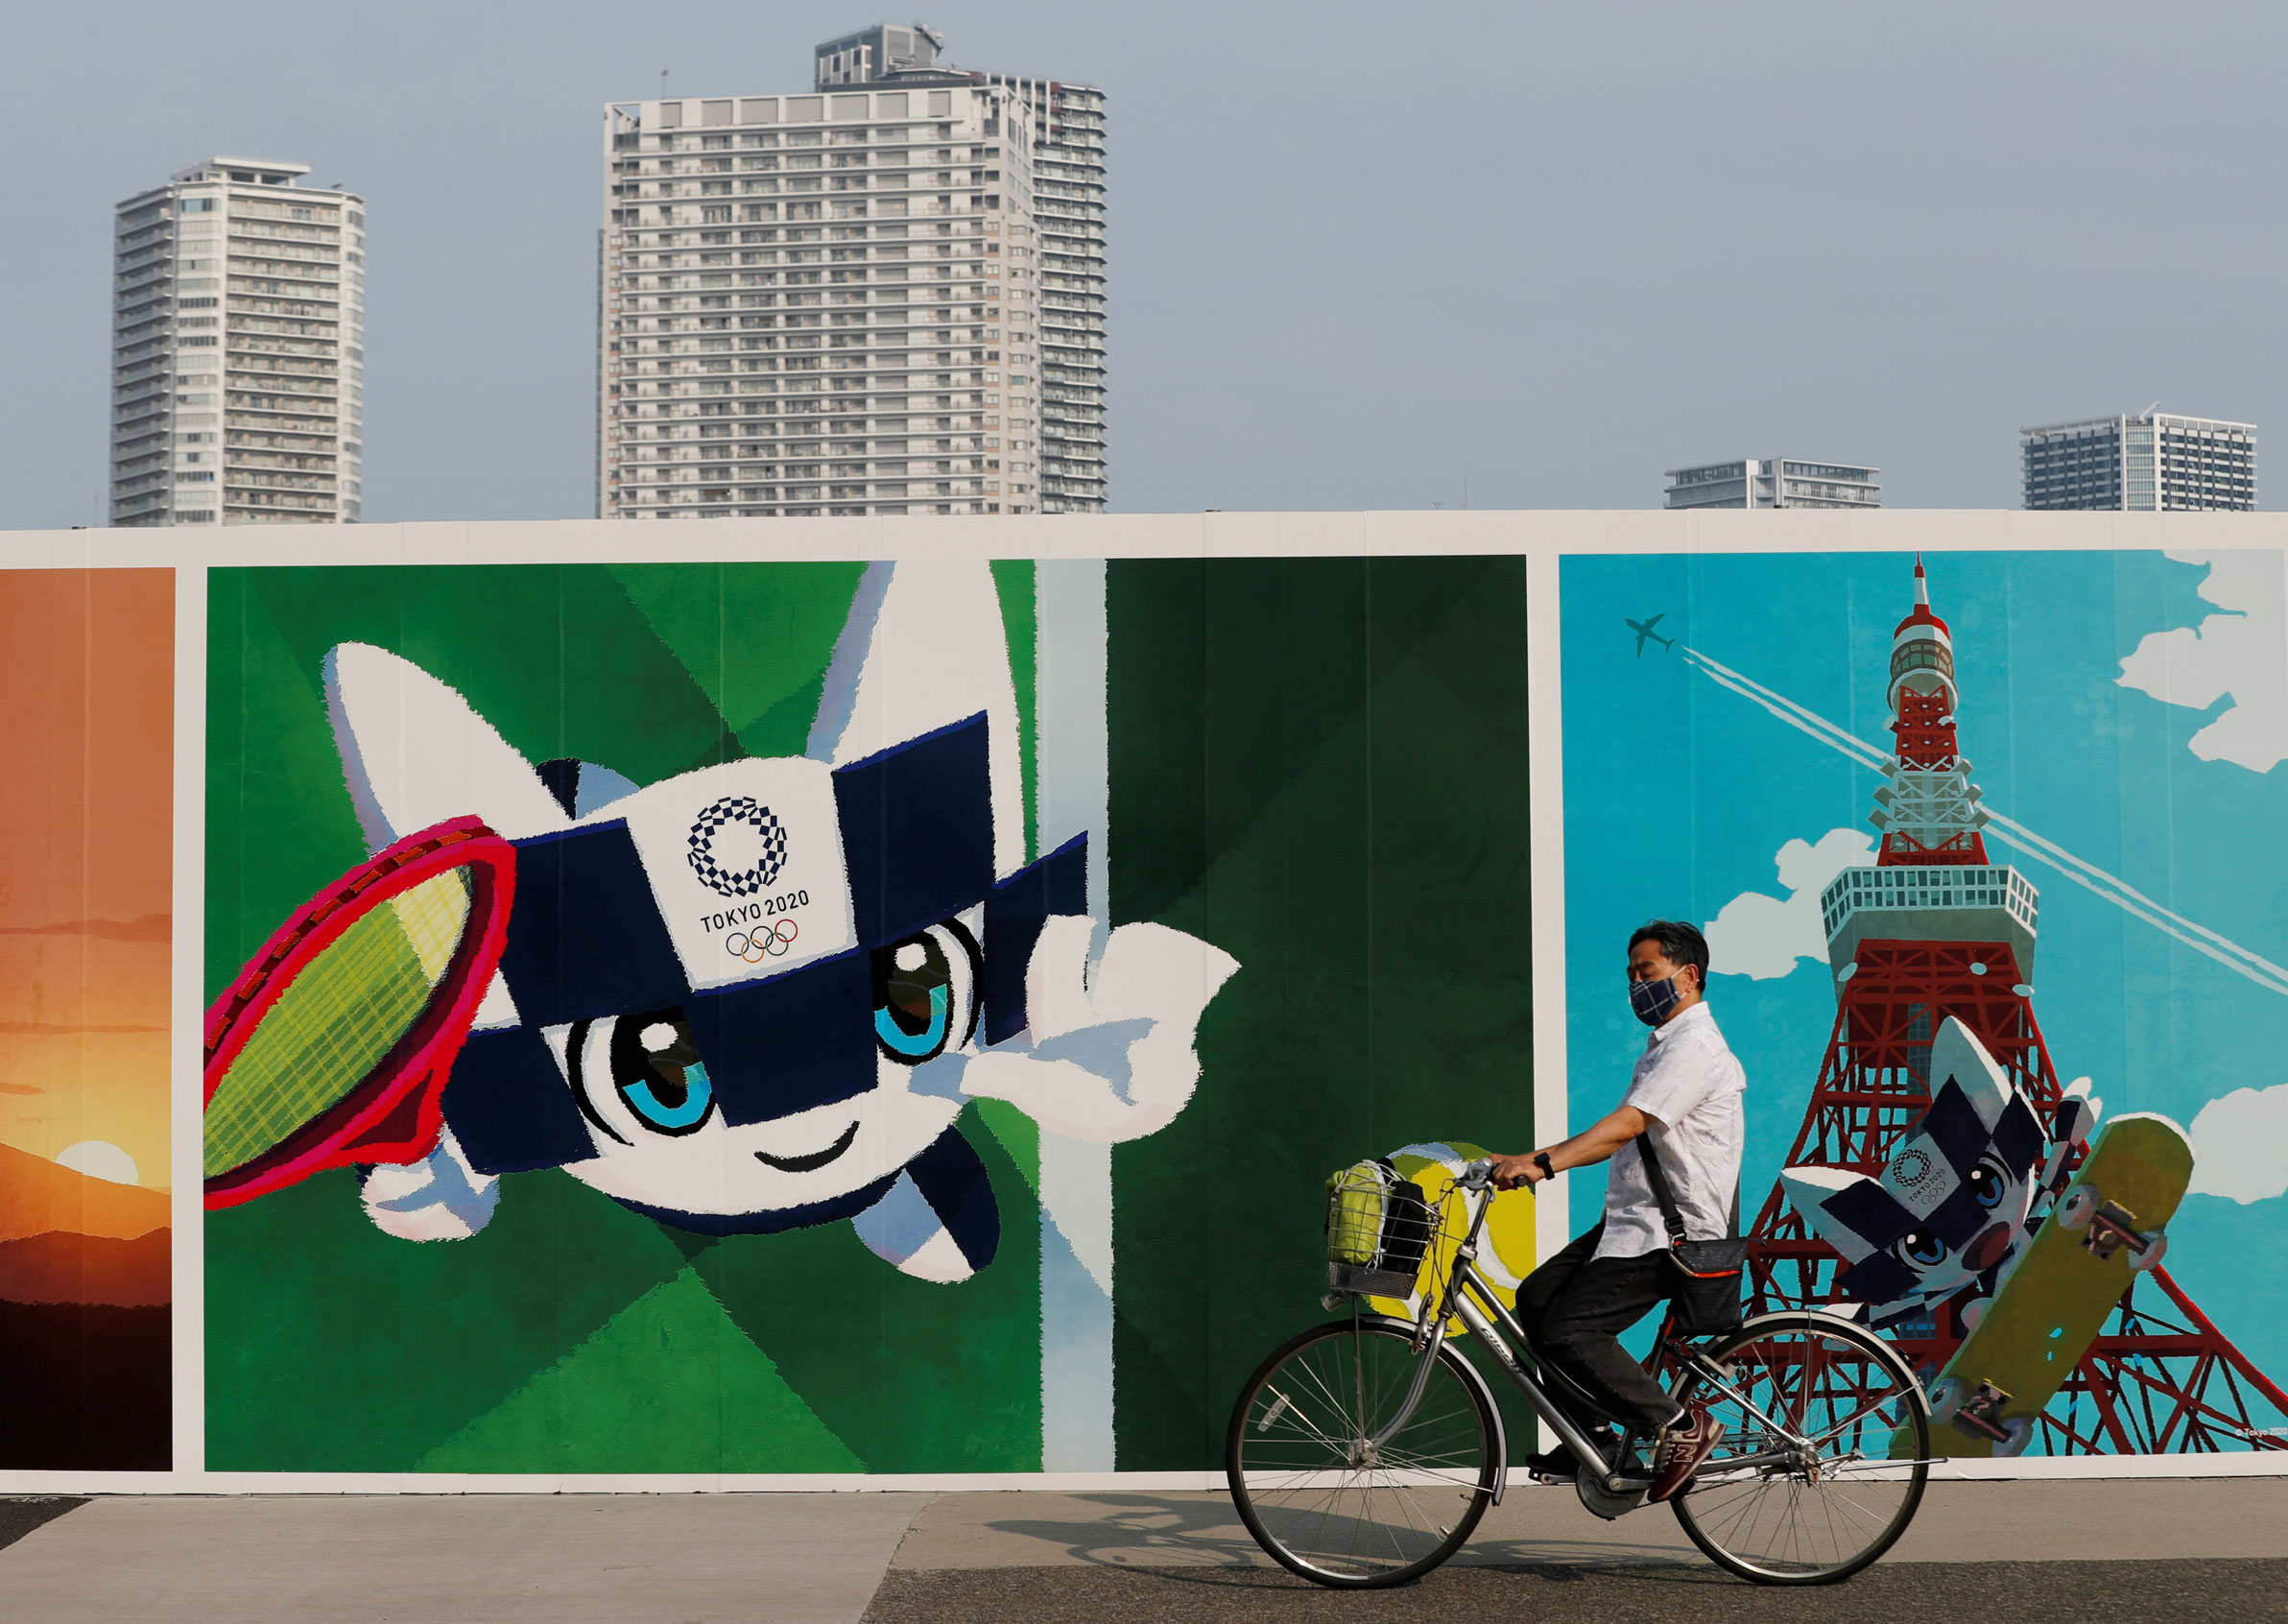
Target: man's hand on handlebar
1515, 1172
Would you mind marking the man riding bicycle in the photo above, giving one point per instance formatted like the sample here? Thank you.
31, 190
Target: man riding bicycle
1683, 1099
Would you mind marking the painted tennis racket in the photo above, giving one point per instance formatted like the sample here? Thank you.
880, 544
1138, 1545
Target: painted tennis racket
333, 1046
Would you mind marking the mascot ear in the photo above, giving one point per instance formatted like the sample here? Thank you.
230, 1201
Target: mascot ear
924, 648
416, 753
1956, 1054
1808, 1191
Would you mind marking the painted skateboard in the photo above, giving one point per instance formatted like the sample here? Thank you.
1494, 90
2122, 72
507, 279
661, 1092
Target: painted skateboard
2107, 1228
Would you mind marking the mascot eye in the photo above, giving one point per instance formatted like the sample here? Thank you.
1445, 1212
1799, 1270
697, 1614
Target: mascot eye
1989, 1180
657, 1068
1920, 1249
925, 994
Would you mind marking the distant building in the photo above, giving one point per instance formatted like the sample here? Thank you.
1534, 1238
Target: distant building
1773, 482
820, 304
238, 349
885, 296
1068, 207
2144, 461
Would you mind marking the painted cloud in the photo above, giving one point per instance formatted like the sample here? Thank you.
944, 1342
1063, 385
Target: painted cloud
1761, 937
2242, 652
2240, 1145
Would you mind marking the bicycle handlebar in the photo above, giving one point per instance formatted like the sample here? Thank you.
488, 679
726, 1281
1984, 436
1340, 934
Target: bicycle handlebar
1476, 1176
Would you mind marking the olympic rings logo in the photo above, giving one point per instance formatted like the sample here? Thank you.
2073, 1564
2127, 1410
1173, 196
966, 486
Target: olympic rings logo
756, 945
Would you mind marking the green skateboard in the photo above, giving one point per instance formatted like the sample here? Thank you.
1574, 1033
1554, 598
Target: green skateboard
2105, 1229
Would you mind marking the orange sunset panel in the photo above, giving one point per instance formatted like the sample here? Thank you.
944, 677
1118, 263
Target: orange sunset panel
86, 796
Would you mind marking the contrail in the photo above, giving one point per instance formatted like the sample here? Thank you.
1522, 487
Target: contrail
2009, 831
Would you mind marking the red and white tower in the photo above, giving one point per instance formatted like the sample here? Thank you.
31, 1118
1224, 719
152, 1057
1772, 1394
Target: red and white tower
1936, 928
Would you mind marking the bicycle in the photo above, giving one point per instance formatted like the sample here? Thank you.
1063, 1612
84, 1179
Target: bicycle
1363, 1453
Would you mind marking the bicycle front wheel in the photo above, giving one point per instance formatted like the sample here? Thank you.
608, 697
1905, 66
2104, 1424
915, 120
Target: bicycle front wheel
1325, 1492
1803, 1490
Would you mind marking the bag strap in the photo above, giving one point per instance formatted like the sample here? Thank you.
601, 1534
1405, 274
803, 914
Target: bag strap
1657, 1177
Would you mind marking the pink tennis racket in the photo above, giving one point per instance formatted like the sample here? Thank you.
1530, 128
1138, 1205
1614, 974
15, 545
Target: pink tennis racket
333, 1044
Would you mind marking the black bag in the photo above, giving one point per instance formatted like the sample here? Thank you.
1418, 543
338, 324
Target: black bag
1406, 1223
1708, 1274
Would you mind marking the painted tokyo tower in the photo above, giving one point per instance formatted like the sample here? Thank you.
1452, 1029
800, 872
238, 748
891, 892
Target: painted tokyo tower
1937, 928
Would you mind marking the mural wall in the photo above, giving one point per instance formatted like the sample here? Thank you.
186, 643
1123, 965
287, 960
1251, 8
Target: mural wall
1984, 848
897, 1013
922, 986
87, 805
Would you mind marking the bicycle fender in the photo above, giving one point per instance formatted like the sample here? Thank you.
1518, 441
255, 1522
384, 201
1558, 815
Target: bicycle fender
1476, 1378
1486, 1392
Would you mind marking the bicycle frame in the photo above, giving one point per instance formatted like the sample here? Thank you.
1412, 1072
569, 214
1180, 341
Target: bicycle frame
1467, 1298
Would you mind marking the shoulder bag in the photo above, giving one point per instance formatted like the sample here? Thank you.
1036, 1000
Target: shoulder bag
1708, 1274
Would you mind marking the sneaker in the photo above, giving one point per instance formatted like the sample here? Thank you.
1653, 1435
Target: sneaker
1680, 1449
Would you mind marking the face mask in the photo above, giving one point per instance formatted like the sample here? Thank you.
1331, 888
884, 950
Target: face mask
1654, 1001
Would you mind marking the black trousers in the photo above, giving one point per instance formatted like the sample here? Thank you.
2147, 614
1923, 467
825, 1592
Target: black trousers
1575, 1307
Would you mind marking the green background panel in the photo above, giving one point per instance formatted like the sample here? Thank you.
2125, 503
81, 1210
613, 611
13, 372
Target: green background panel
1319, 766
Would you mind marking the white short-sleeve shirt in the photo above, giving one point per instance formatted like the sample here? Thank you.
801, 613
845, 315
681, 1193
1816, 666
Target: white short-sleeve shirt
1688, 1082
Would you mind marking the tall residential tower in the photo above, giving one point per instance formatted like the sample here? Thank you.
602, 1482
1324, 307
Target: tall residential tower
2143, 462
819, 304
1068, 203
238, 349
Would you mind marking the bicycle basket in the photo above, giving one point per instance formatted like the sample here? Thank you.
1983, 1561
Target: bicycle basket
1378, 1229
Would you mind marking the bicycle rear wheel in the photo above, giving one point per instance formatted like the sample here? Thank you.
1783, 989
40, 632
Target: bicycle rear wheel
1803, 1490
1317, 1490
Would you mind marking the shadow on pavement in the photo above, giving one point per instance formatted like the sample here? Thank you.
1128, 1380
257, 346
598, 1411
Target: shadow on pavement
1149, 1531
21, 1515
1165, 1532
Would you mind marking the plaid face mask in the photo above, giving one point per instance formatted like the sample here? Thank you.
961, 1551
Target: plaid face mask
1654, 1001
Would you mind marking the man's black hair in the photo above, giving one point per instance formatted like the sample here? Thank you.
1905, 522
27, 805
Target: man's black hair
1680, 944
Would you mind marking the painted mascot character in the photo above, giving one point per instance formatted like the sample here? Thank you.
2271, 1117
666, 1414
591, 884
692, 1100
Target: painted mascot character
1948, 1215
755, 996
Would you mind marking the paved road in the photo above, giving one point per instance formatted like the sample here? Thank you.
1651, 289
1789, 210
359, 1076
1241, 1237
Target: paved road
2139, 1552
20, 1517
2215, 1592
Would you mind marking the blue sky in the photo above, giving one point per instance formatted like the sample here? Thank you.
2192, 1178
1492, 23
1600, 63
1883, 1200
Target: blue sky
1678, 795
1354, 249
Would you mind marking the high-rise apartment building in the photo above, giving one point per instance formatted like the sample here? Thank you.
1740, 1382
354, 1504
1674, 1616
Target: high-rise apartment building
2145, 462
820, 303
1069, 202
1773, 482
238, 349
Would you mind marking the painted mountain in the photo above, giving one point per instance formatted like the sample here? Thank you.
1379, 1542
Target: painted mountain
83, 1321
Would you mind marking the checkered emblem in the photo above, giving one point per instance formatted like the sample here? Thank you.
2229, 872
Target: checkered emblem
746, 829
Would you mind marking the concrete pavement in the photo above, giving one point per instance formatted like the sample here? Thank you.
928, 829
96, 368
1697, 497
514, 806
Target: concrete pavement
471, 1559
2238, 1591
2149, 1550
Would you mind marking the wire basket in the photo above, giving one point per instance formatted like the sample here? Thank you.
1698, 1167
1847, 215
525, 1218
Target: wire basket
1379, 1228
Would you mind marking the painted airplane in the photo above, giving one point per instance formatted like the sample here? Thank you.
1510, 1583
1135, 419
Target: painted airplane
1644, 630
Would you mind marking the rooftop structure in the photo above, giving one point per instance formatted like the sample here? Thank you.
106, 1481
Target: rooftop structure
876, 53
